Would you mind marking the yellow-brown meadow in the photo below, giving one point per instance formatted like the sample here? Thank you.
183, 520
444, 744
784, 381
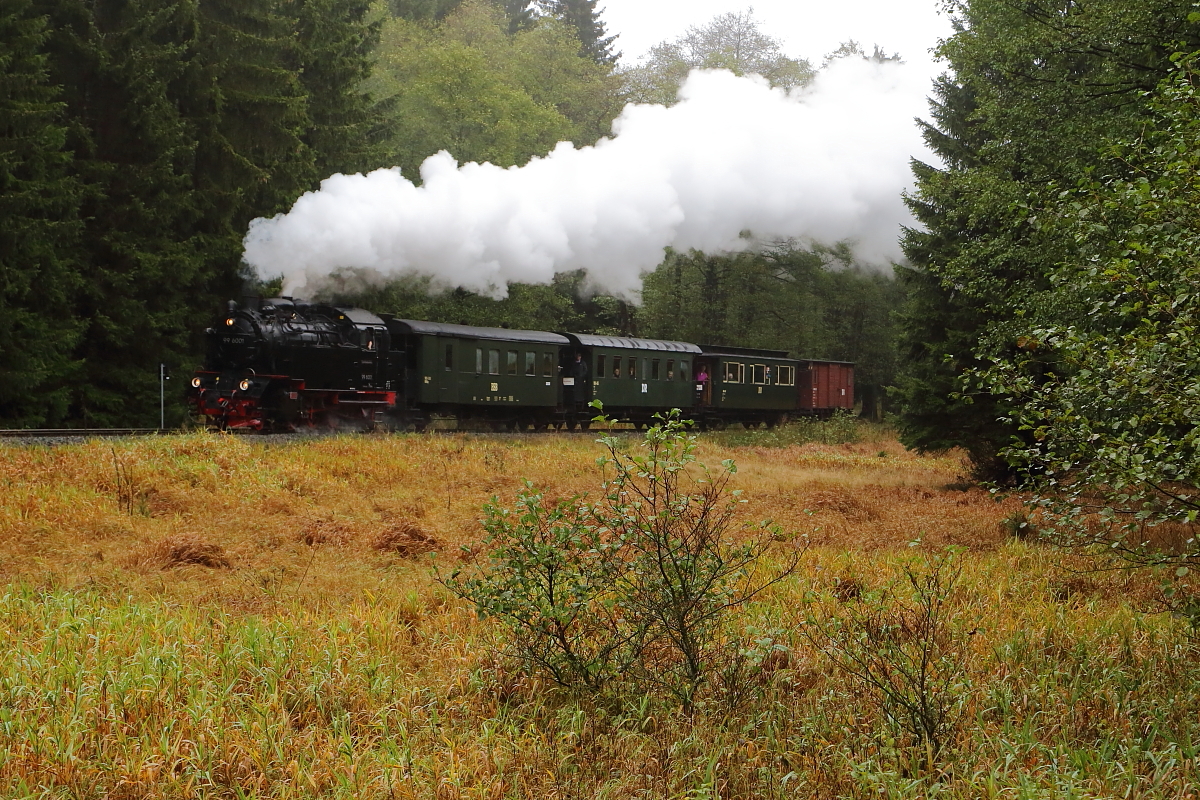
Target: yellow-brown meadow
206, 615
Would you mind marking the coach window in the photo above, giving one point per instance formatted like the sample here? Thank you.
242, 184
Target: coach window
734, 372
493, 362
449, 357
547, 365
654, 375
478, 360
600, 366
670, 369
632, 367
510, 362
787, 376
758, 373
685, 371
531, 364
616, 366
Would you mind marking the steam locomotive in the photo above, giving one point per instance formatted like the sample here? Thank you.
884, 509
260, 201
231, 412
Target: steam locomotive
283, 364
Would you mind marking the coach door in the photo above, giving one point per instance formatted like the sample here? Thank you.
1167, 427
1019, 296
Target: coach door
703, 380
449, 355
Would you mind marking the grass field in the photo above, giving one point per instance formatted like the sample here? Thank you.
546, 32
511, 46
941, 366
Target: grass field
205, 615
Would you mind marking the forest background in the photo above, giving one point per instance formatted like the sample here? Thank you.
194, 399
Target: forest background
1043, 314
138, 139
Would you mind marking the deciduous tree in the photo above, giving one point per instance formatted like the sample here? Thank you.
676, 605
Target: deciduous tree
1106, 378
732, 41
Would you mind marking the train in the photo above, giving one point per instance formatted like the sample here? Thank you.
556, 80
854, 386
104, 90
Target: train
283, 364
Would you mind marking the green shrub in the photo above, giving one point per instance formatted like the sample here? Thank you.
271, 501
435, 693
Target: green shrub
637, 584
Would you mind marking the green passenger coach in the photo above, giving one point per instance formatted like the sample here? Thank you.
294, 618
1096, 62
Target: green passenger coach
633, 378
747, 385
507, 377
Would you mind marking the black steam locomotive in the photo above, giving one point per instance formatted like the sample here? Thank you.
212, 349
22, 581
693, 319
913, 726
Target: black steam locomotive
283, 364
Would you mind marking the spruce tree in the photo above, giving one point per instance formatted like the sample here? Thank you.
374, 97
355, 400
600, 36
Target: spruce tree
252, 118
123, 64
939, 326
335, 46
583, 16
519, 14
39, 203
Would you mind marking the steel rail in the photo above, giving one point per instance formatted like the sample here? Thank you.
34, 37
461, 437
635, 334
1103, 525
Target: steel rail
51, 433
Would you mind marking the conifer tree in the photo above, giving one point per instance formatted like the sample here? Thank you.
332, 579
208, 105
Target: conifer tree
39, 202
519, 13
335, 44
940, 327
252, 118
583, 16
123, 66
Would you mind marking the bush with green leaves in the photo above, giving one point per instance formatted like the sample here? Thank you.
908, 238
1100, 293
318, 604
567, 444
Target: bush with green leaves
636, 584
1105, 376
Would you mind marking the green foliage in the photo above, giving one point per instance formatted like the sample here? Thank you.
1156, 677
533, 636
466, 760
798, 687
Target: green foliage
336, 40
422, 10
1106, 378
815, 303
469, 87
139, 138
549, 580
125, 69
636, 585
730, 41
583, 16
1036, 87
39, 202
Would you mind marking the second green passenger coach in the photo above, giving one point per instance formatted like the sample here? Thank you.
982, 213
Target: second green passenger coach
633, 378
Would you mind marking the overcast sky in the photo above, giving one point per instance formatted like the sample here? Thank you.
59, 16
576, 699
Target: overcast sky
808, 28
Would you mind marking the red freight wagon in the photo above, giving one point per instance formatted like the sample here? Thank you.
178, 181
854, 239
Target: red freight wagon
826, 386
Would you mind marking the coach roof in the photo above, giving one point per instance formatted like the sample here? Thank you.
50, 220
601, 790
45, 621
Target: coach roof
627, 343
472, 332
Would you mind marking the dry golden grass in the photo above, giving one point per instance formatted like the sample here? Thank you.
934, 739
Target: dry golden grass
118, 513
202, 615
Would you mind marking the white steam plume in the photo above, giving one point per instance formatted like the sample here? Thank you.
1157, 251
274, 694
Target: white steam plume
827, 163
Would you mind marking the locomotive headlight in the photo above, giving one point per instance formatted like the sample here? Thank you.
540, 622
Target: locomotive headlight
229, 322
245, 384
195, 383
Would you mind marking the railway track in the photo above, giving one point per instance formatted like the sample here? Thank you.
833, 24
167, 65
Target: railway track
72, 433
54, 435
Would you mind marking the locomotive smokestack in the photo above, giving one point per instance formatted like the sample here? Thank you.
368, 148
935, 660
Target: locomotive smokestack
827, 163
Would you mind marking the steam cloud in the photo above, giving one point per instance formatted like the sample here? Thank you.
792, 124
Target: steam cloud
827, 163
